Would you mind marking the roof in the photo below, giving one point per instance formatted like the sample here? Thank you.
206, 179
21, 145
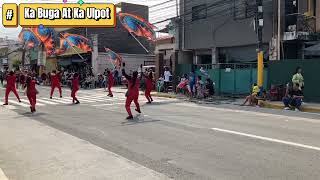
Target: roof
165, 40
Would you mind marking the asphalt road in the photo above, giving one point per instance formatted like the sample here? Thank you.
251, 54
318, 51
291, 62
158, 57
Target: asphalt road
184, 140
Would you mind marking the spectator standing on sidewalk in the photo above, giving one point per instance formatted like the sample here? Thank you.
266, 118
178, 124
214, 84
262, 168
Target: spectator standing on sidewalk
167, 75
119, 78
293, 98
298, 78
140, 70
192, 83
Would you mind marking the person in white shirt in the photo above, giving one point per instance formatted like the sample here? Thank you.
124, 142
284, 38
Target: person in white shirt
167, 75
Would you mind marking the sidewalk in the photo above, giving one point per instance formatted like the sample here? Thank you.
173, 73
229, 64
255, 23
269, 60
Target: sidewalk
30, 150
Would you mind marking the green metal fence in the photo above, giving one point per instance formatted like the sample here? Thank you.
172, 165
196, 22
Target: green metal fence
233, 79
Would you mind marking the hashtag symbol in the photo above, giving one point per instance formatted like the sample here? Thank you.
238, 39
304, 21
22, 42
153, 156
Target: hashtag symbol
9, 14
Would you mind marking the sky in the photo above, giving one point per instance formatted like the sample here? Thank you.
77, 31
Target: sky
12, 33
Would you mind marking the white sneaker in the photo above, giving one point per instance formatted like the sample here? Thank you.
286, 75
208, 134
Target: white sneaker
297, 110
286, 108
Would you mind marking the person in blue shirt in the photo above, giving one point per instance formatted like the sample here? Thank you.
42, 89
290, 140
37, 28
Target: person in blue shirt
192, 82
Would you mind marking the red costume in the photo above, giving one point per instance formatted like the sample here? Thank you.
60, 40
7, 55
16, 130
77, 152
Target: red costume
133, 95
110, 83
149, 87
55, 83
11, 86
75, 88
32, 94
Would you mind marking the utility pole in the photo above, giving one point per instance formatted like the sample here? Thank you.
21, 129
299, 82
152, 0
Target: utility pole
177, 7
23, 57
259, 28
279, 31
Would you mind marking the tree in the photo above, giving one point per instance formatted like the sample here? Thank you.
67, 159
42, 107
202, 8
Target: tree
16, 64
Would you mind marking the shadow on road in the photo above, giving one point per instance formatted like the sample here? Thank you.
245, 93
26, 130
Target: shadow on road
29, 114
138, 120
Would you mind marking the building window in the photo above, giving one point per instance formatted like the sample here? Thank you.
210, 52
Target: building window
199, 12
244, 9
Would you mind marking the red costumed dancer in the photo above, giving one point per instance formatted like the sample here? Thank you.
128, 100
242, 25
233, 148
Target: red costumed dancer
149, 87
11, 86
55, 83
31, 93
110, 82
75, 88
133, 92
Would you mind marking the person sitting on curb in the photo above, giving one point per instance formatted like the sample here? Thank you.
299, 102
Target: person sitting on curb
252, 97
293, 98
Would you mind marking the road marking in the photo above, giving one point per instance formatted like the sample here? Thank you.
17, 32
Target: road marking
26, 101
94, 99
2, 175
96, 96
56, 100
18, 103
267, 139
100, 105
84, 100
11, 107
46, 102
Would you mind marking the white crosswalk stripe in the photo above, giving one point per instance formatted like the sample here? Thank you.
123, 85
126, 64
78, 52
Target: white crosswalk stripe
27, 101
56, 100
88, 100
100, 105
46, 102
94, 99
18, 103
97, 99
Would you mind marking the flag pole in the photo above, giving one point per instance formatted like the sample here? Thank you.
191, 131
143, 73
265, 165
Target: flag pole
140, 43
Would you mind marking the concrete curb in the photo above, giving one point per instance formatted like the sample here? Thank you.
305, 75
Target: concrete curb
304, 108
